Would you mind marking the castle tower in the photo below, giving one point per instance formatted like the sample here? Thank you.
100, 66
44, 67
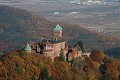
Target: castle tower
57, 32
27, 48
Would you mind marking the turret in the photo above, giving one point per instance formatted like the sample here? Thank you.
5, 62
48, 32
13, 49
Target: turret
57, 32
27, 48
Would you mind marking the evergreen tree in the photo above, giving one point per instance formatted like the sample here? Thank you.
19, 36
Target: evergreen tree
34, 77
102, 68
73, 62
44, 75
85, 65
62, 58
106, 76
18, 68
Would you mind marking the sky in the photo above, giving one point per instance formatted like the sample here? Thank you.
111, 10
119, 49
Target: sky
18, 1
26, 1
10, 2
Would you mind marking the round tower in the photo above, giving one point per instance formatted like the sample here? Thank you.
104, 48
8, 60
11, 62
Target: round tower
58, 32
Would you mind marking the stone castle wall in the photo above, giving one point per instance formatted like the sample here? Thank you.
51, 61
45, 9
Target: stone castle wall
48, 54
57, 48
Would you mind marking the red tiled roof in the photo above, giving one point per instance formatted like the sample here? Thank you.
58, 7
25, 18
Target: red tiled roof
65, 49
74, 52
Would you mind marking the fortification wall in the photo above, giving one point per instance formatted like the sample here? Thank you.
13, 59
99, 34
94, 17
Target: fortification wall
57, 48
48, 54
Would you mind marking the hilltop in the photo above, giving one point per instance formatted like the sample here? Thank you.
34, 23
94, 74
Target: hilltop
20, 65
19, 26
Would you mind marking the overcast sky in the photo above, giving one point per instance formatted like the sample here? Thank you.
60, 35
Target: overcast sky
21, 1
35, 1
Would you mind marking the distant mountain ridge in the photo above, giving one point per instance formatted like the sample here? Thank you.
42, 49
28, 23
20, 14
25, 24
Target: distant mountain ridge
19, 26
16, 25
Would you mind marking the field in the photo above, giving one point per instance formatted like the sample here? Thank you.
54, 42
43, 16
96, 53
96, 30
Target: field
103, 19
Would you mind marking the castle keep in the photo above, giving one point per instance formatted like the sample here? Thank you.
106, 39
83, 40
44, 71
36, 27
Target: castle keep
50, 47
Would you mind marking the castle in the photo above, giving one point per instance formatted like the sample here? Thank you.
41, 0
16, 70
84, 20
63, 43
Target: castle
54, 47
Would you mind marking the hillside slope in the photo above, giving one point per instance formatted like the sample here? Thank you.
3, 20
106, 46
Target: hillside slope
19, 65
19, 26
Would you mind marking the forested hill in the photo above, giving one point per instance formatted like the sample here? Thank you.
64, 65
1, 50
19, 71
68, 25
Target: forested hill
19, 65
114, 52
19, 26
